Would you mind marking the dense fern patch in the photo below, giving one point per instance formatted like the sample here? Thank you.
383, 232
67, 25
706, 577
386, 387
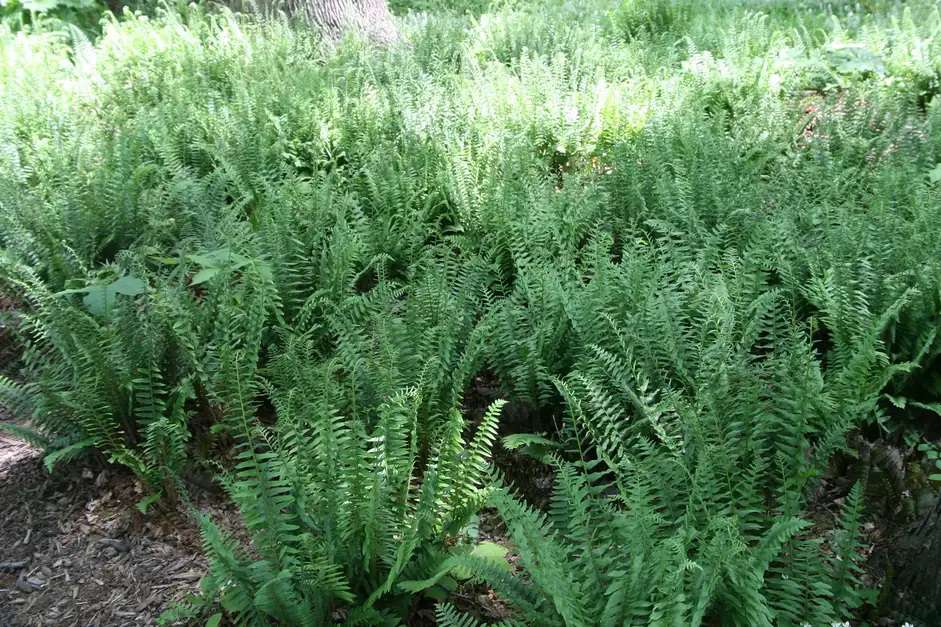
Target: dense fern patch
698, 240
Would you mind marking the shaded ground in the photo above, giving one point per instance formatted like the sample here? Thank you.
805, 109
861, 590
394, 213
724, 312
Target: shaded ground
75, 551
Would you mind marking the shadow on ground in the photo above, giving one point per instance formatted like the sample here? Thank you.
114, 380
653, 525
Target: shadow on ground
75, 551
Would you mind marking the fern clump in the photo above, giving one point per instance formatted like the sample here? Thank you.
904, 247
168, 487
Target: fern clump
694, 243
343, 511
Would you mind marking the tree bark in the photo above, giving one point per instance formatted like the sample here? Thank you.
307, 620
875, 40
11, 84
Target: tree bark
916, 585
335, 17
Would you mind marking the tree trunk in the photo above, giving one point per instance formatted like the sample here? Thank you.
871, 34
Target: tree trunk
916, 585
335, 17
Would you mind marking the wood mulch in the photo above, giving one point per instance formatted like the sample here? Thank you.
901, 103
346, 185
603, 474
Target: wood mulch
74, 550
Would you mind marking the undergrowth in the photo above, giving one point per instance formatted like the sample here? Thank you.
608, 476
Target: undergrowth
698, 239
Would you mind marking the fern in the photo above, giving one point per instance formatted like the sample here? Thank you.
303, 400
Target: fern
695, 242
341, 508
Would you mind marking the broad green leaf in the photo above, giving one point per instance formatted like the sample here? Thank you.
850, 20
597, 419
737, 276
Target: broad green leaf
129, 286
489, 552
204, 275
96, 300
214, 262
219, 258
99, 299
855, 59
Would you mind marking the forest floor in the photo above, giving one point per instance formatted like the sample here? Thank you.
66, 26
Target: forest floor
74, 550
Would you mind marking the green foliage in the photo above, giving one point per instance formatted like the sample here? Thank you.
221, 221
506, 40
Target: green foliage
684, 503
635, 18
343, 503
45, 15
933, 457
695, 242
475, 7
447, 615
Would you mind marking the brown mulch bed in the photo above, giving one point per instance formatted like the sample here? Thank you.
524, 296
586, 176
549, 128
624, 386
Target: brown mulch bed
74, 550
